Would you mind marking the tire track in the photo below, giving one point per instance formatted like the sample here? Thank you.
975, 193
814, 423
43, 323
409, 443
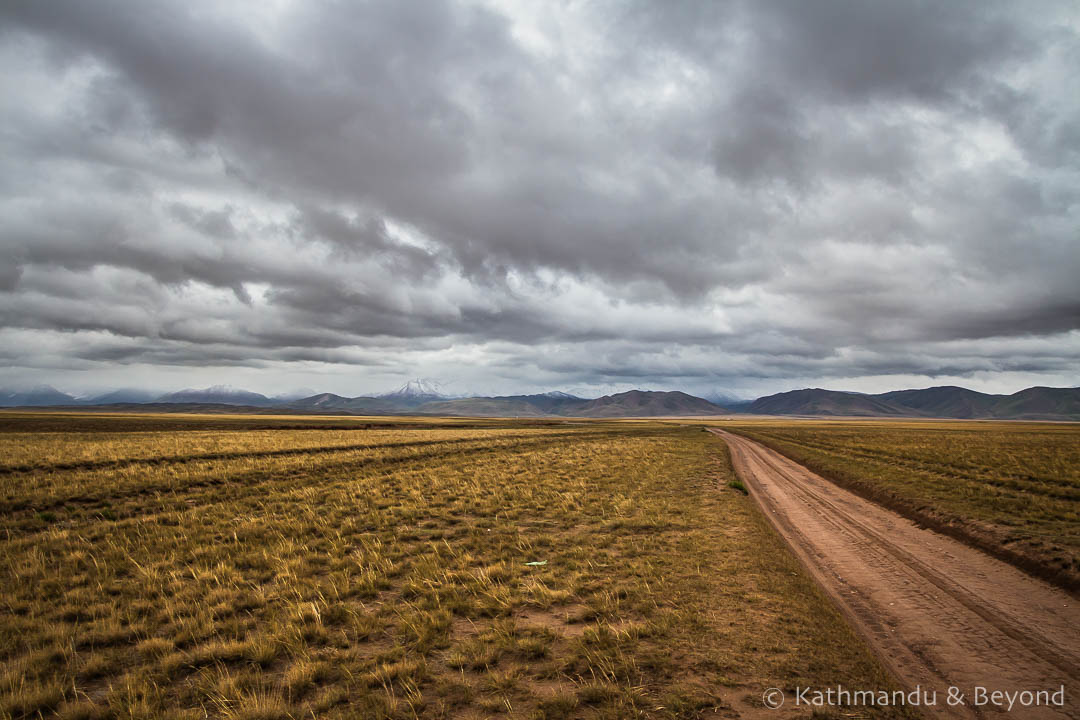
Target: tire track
938, 612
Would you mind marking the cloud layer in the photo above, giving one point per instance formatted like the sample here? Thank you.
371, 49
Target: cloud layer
734, 195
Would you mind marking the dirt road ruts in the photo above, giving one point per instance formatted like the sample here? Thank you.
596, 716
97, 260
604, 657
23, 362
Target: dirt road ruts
939, 613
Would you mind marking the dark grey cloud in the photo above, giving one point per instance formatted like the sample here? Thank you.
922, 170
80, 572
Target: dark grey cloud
541, 194
857, 52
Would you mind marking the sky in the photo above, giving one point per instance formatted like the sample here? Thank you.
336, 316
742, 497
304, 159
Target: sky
502, 197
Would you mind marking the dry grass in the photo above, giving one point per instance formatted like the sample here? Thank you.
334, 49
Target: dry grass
27, 451
1012, 488
382, 573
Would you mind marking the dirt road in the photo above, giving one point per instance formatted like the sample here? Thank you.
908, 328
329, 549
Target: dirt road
938, 612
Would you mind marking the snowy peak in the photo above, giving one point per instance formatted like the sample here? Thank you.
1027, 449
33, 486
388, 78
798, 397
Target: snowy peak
560, 395
416, 391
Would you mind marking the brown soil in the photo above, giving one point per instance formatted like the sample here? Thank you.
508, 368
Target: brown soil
938, 612
1030, 555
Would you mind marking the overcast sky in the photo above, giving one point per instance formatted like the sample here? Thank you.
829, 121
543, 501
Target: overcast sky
737, 196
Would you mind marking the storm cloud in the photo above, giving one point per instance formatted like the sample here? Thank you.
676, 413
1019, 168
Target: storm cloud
736, 196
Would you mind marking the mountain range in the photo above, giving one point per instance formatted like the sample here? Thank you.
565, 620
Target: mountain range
1035, 403
421, 398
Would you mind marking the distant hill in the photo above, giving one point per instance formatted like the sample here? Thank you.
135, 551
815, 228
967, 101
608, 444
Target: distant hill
38, 396
358, 405
1037, 403
1040, 403
815, 401
288, 397
124, 395
321, 401
218, 394
723, 399
628, 404
642, 403
551, 403
420, 398
635, 403
483, 407
947, 401
192, 408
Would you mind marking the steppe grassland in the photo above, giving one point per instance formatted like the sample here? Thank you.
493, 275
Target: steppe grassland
25, 451
382, 573
1011, 487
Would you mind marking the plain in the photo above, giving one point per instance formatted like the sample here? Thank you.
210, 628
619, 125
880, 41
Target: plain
259, 567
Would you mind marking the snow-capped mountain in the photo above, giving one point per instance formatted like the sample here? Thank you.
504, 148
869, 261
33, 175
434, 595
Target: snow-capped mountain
560, 395
415, 392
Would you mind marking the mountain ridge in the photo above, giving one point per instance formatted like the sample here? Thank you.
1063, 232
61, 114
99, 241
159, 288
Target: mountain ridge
817, 401
944, 400
223, 394
422, 398
948, 401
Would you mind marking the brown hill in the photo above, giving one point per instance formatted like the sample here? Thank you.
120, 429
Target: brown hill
815, 401
643, 403
635, 403
947, 401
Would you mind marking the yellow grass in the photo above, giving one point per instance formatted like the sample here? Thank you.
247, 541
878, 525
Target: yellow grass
381, 573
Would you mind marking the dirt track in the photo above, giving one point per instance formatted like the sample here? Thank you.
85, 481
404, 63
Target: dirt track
938, 612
